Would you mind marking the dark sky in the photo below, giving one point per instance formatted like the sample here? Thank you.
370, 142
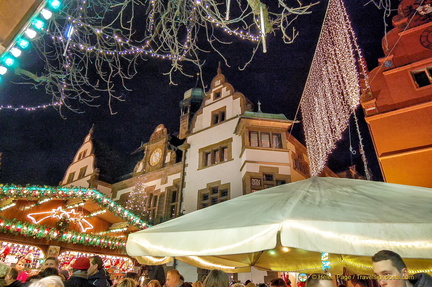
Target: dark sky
39, 145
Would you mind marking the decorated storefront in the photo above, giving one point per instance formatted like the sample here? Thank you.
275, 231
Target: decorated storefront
39, 222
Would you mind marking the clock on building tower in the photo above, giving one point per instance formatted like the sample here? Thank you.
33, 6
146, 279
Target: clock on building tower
155, 157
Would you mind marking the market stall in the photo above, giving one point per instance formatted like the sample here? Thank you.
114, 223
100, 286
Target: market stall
64, 222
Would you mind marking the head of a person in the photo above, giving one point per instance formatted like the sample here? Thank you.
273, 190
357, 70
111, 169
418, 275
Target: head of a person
127, 282
278, 282
172, 278
50, 281
390, 268
50, 262
197, 284
154, 283
319, 280
250, 284
216, 278
81, 264
96, 263
132, 275
49, 271
20, 265
12, 275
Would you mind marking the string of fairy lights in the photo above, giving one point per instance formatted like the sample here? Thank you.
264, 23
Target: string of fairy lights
332, 90
91, 47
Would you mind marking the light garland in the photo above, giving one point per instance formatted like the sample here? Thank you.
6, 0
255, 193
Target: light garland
137, 198
209, 264
119, 263
59, 213
50, 233
92, 46
332, 90
36, 192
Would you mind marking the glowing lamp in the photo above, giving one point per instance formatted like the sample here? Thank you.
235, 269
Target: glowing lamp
47, 14
38, 24
23, 43
9, 61
3, 70
54, 4
30, 33
15, 52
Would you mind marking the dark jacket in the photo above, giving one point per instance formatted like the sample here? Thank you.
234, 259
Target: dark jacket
100, 279
16, 283
78, 280
421, 280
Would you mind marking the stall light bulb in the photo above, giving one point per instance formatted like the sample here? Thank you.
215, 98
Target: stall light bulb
30, 33
47, 14
23, 43
9, 61
3, 70
15, 52
39, 24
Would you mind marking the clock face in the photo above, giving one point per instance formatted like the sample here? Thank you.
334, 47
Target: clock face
426, 38
155, 157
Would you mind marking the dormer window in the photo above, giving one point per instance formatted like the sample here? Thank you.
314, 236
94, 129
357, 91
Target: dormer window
217, 95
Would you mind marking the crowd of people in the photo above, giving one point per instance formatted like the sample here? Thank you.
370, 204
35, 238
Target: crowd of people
389, 269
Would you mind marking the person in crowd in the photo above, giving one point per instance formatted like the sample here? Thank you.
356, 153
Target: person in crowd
154, 283
50, 262
127, 282
98, 276
49, 281
216, 278
12, 278
4, 270
247, 282
145, 282
278, 282
250, 284
197, 284
173, 278
22, 273
319, 280
393, 272
49, 271
79, 277
238, 284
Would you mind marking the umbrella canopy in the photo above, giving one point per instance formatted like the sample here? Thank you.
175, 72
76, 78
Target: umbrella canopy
287, 227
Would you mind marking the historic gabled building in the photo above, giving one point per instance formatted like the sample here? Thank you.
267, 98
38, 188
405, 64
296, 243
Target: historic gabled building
224, 149
398, 107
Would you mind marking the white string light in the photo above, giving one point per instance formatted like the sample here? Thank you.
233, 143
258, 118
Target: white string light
332, 90
109, 38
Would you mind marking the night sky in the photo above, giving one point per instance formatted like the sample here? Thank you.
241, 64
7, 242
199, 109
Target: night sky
39, 145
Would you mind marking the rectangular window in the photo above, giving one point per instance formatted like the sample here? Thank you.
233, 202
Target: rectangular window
215, 154
213, 195
255, 181
208, 159
82, 172
71, 177
174, 196
421, 78
224, 153
217, 95
268, 177
265, 140
218, 116
277, 140
253, 138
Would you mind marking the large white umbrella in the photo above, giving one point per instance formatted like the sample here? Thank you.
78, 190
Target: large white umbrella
287, 227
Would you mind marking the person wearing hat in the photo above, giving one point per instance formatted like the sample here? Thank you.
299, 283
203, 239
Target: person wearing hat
79, 277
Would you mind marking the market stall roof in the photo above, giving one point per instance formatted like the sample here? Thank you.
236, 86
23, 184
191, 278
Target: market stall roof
70, 217
289, 227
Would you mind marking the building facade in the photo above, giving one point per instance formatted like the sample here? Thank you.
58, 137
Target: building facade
399, 103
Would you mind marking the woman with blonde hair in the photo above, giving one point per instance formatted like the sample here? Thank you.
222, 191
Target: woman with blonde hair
127, 282
216, 278
50, 281
154, 283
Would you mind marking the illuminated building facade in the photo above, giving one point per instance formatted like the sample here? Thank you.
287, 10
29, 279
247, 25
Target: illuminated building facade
398, 107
